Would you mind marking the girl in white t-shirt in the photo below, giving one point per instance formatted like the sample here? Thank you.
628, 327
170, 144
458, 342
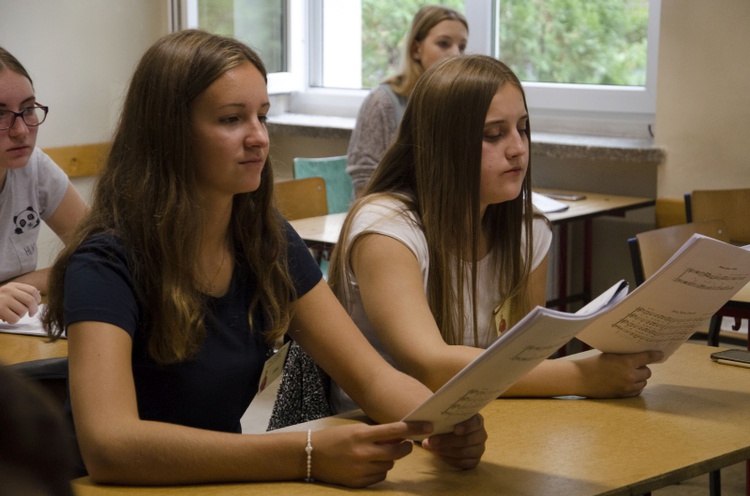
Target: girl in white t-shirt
438, 257
32, 189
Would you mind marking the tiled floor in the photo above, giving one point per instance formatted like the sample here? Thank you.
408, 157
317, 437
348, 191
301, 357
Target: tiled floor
732, 484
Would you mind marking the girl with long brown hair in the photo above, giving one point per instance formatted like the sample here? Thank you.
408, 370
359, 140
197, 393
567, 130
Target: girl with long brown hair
444, 251
184, 275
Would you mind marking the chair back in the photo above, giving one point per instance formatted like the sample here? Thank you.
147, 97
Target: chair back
730, 205
333, 170
651, 249
300, 198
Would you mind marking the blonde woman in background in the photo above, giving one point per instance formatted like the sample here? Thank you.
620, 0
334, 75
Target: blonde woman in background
436, 32
444, 251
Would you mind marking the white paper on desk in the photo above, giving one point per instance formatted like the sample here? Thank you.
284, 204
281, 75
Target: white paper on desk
518, 350
258, 414
27, 325
546, 204
664, 311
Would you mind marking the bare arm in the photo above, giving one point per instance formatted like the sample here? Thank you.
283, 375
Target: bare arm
118, 447
393, 296
600, 376
323, 328
68, 214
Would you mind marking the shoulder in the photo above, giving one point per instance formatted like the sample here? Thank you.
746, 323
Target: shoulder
41, 164
390, 216
384, 210
377, 101
104, 248
303, 269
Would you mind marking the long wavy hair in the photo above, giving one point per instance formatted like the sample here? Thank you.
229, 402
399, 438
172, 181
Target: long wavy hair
424, 20
147, 197
434, 166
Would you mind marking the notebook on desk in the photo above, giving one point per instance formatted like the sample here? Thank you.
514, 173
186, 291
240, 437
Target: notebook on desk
31, 326
546, 204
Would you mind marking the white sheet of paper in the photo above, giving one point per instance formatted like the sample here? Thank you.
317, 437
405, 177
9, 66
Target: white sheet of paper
258, 414
27, 325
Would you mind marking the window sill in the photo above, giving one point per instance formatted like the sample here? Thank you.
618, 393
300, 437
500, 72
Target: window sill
554, 145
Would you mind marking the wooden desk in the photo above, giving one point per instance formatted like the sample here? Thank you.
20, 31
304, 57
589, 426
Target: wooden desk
691, 419
594, 205
16, 348
323, 232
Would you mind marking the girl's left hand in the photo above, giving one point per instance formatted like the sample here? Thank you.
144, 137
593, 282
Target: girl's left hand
462, 448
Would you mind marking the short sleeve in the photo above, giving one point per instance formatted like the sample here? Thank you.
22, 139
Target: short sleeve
52, 183
542, 241
303, 269
99, 286
391, 217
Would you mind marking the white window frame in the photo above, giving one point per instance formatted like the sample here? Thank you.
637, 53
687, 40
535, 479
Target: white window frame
589, 109
561, 108
182, 16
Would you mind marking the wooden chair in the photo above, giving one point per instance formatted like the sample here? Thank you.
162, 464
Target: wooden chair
730, 205
333, 171
300, 198
733, 207
651, 249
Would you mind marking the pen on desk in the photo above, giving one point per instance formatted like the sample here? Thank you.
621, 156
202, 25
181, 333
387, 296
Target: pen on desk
735, 363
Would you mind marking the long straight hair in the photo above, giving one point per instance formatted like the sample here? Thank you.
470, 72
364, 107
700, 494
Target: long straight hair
147, 197
435, 162
424, 20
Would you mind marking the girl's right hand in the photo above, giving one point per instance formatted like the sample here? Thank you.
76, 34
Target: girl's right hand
360, 455
16, 300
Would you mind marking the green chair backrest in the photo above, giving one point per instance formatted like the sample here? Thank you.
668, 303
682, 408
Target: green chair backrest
333, 171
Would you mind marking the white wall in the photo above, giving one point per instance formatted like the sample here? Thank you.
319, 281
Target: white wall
703, 96
80, 54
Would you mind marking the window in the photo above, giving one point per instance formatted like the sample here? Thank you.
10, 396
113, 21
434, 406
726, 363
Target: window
587, 67
270, 27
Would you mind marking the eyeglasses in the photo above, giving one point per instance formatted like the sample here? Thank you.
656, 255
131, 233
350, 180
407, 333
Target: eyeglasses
32, 116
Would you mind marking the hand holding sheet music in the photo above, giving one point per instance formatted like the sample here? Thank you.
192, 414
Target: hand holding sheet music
661, 314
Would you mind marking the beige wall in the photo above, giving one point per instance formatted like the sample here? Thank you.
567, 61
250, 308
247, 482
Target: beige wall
80, 54
703, 95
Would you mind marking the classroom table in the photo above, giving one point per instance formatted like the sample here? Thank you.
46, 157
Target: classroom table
323, 233
16, 348
690, 419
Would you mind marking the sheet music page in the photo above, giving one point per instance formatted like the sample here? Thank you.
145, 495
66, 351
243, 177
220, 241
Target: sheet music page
518, 350
673, 303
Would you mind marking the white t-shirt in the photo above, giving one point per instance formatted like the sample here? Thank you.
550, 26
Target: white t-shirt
390, 217
31, 194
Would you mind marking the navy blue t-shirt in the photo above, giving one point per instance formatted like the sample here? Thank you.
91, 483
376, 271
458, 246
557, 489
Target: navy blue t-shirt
213, 389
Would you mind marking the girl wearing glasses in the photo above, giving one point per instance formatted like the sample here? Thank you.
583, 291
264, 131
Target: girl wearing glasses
32, 189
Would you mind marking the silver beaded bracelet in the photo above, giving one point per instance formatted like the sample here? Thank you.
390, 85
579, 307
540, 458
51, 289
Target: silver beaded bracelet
309, 450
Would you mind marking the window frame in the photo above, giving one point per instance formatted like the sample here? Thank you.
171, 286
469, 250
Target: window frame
559, 108
181, 14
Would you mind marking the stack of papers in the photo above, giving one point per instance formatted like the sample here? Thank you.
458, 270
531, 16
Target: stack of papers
27, 325
546, 204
